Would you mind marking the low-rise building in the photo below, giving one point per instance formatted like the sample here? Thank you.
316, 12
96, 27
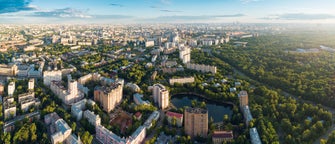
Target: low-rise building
9, 107
177, 117
219, 137
78, 107
92, 118
27, 103
181, 80
247, 115
202, 67
254, 136
138, 99
133, 87
153, 117
8, 70
60, 131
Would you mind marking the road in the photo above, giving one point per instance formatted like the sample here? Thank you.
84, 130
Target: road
286, 94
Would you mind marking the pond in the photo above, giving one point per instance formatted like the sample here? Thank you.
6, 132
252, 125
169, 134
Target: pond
215, 110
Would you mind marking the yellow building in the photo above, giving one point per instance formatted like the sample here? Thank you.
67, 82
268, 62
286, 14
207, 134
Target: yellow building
196, 122
243, 98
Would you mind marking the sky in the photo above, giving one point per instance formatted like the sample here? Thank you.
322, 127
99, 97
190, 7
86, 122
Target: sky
165, 11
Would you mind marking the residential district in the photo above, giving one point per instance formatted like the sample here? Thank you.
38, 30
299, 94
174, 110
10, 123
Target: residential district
114, 84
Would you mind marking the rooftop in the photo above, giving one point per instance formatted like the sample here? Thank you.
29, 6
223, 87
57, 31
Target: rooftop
254, 136
223, 134
62, 126
173, 114
196, 110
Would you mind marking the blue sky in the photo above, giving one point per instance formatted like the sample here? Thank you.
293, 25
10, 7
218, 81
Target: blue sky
167, 11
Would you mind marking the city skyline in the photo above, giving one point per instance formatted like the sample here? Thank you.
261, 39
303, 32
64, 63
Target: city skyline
165, 11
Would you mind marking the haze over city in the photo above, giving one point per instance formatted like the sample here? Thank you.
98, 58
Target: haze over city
165, 11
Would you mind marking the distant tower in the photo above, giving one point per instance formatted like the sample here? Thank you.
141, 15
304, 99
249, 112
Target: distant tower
31, 84
243, 97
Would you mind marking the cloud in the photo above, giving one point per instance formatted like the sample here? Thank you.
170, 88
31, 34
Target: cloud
9, 6
299, 16
63, 13
116, 5
166, 10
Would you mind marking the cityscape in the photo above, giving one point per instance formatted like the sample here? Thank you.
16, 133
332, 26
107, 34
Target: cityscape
108, 73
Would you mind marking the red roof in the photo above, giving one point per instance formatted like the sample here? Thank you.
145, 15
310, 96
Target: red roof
173, 114
138, 114
223, 134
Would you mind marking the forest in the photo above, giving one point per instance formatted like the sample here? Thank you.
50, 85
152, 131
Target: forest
275, 61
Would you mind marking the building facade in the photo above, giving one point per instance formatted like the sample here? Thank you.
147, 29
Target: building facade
219, 137
161, 95
185, 54
181, 80
202, 68
108, 97
196, 122
31, 84
11, 88
49, 76
243, 98
92, 118
171, 116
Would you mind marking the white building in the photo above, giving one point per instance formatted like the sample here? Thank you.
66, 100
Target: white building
202, 67
138, 99
31, 84
11, 88
149, 43
161, 95
78, 107
49, 76
68, 96
92, 118
181, 80
185, 54
133, 87
153, 117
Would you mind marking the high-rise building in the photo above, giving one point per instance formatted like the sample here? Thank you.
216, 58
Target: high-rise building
109, 97
163, 99
243, 98
185, 54
31, 84
69, 95
161, 95
11, 88
196, 122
